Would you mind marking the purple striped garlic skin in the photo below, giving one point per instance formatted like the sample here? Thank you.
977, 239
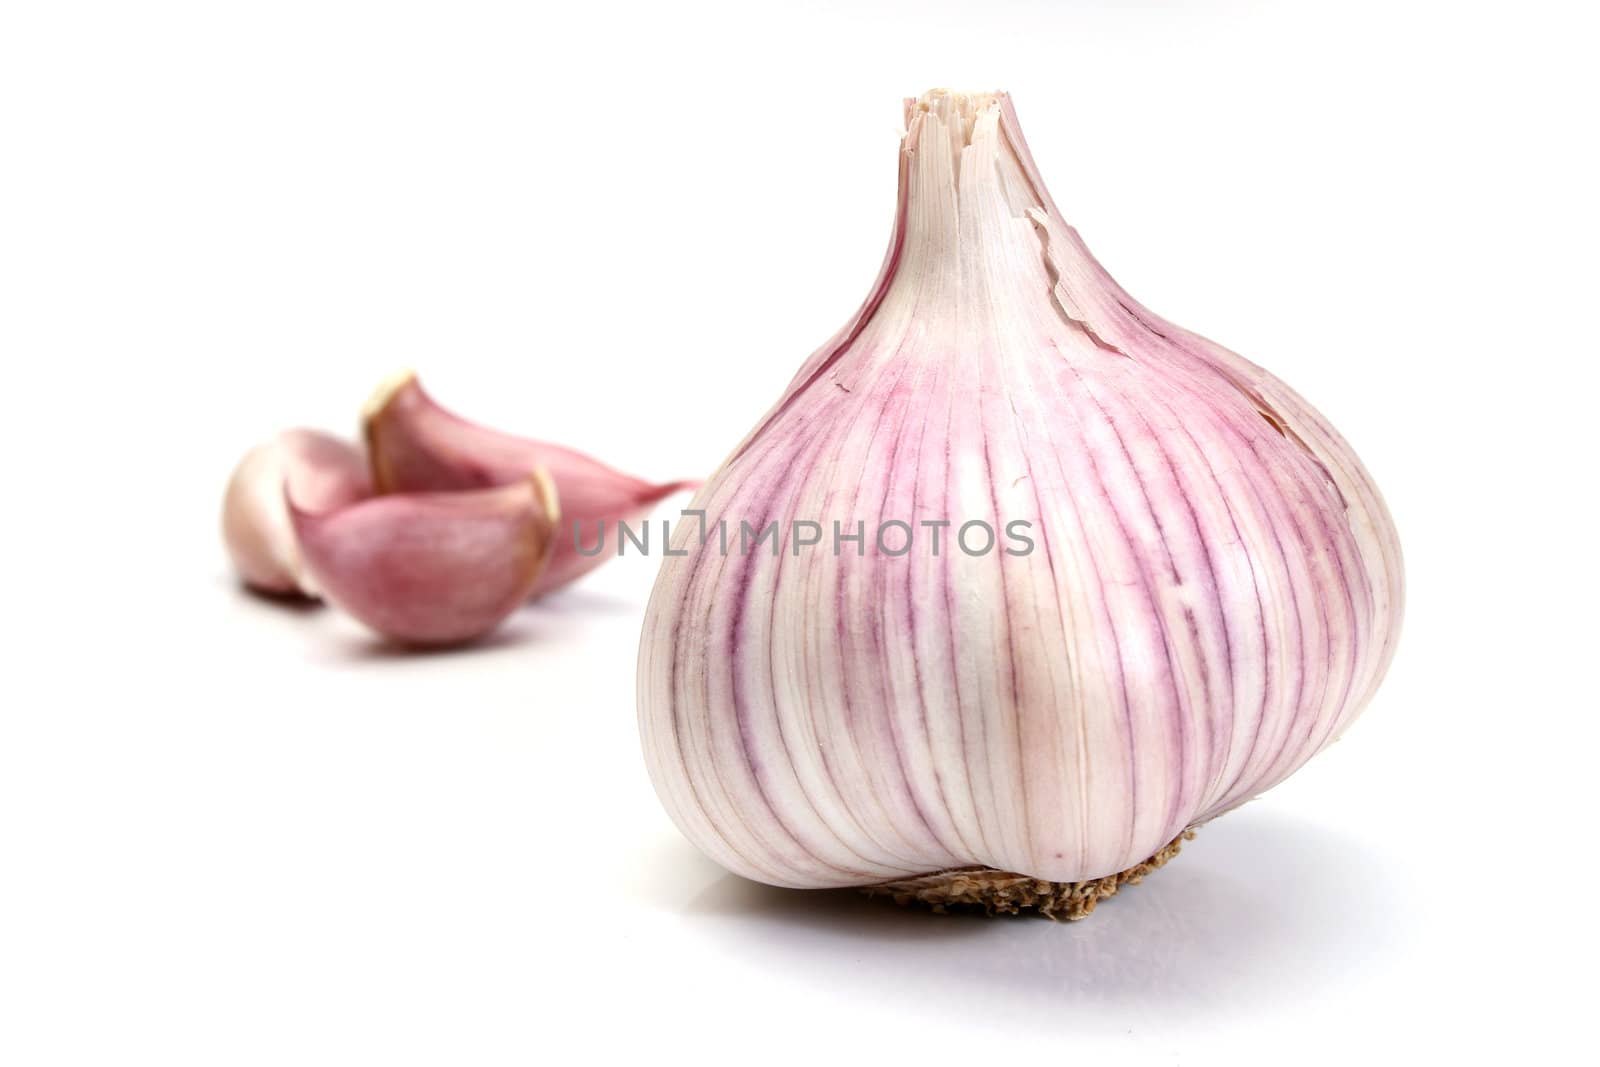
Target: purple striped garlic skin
1214, 593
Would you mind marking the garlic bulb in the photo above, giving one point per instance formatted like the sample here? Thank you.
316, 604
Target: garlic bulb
432, 568
1176, 584
416, 445
323, 472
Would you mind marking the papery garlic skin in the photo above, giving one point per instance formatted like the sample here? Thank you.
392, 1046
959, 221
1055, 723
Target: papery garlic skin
418, 446
1215, 592
322, 471
432, 568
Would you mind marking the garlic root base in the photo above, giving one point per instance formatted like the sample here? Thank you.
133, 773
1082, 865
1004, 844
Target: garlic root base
1000, 893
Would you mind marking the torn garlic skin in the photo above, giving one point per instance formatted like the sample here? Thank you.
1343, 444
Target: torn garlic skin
1214, 594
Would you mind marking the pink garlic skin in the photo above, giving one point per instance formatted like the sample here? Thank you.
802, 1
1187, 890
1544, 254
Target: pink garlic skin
1215, 595
323, 471
432, 568
416, 445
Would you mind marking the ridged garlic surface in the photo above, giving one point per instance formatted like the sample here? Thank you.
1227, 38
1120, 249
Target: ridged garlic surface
1213, 594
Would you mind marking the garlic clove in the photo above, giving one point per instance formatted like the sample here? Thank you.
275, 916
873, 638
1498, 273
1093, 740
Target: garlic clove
432, 568
322, 471
1211, 594
416, 445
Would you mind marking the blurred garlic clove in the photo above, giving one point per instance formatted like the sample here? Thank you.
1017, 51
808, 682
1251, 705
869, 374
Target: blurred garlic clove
432, 568
321, 471
417, 446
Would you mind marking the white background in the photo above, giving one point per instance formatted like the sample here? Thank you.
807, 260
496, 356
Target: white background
232, 833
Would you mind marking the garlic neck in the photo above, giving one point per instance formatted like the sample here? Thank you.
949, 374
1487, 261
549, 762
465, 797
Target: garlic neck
983, 255
975, 216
